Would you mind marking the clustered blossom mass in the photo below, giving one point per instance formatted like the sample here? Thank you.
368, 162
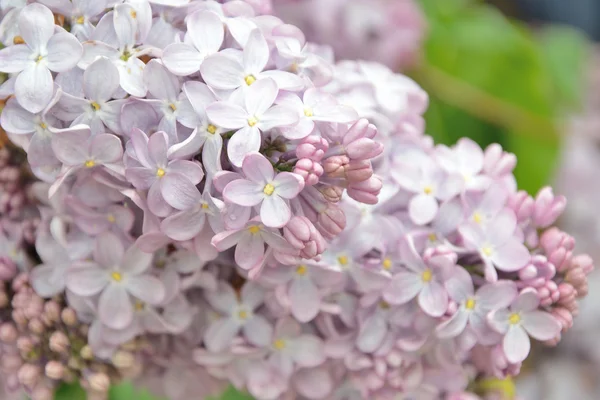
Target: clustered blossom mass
209, 199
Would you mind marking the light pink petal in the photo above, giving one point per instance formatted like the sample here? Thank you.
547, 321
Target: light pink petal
258, 331
33, 87
244, 141
156, 202
249, 250
252, 295
160, 82
135, 261
371, 334
244, 193
433, 299
227, 239
71, 145
410, 256
125, 25
100, 80
224, 299
36, 25
460, 285
275, 212
15, 58
106, 148
526, 301
288, 185
422, 209
141, 177
305, 299
227, 115
453, 326
179, 192
131, 77
511, 256
190, 169
184, 225
15, 119
222, 72
199, 95
157, 148
540, 325
278, 116
256, 53
64, 51
109, 251
300, 130
257, 168
87, 280
48, 280
206, 31
313, 383
496, 295
285, 80
403, 287
307, 351
219, 334
147, 288
182, 59
473, 236
498, 320
516, 344
504, 227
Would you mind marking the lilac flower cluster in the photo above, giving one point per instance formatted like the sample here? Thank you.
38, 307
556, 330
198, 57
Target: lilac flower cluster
221, 204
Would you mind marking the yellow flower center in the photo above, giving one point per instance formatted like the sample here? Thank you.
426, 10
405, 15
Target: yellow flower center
487, 251
95, 106
343, 260
43, 125
90, 163
427, 190
477, 217
387, 264
432, 237
252, 121
139, 305
254, 229
111, 218
243, 314
80, 20
40, 58
279, 344
18, 40
427, 275
301, 270
204, 206
384, 305
308, 112
268, 189
133, 14
470, 304
116, 276
211, 129
160, 172
514, 318
172, 106
249, 79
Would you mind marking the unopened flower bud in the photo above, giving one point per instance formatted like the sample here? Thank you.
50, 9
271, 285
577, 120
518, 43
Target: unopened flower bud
52, 310
335, 166
309, 170
584, 262
42, 392
366, 191
331, 221
8, 333
59, 342
54, 370
25, 344
564, 317
547, 207
68, 316
498, 163
304, 236
333, 194
86, 353
123, 359
558, 247
29, 375
358, 171
36, 326
11, 362
522, 204
312, 147
99, 382
8, 269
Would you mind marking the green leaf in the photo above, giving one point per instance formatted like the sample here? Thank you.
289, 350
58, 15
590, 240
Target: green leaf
126, 391
70, 392
232, 394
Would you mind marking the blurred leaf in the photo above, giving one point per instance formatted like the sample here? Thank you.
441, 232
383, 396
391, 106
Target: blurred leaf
232, 394
70, 392
126, 391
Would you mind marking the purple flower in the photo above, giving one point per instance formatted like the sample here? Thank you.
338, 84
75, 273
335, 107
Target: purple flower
496, 244
227, 72
250, 243
249, 113
100, 82
44, 50
262, 187
81, 13
424, 279
151, 169
117, 276
115, 218
238, 314
205, 33
521, 320
464, 159
474, 306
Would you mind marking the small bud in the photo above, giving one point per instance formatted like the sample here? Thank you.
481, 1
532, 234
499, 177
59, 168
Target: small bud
42, 392
86, 353
25, 344
59, 342
8, 269
29, 375
69, 316
8, 333
99, 382
331, 221
52, 311
366, 191
123, 359
54, 370
36, 326
547, 207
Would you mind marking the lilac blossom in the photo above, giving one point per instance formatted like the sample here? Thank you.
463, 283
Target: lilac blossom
464, 159
262, 187
43, 50
252, 113
81, 14
521, 320
118, 276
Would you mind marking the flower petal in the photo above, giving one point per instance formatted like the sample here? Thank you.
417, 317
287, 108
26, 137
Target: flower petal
244, 141
460, 285
220, 333
36, 25
156, 202
227, 115
371, 334
87, 279
161, 83
403, 287
249, 251
275, 211
453, 326
258, 331
516, 344
244, 193
184, 225
511, 256
15, 58
540, 325
189, 169
48, 280
288, 185
147, 288
64, 51
206, 31
106, 148
71, 145
222, 72
256, 53
108, 251
224, 299
114, 307
305, 299
496, 295
100, 80
135, 261
422, 209
178, 191
307, 351
182, 59
33, 87
433, 299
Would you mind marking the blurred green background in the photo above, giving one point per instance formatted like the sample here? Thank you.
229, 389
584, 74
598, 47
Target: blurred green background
492, 78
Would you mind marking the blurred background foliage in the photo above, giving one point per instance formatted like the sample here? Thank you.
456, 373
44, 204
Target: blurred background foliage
493, 79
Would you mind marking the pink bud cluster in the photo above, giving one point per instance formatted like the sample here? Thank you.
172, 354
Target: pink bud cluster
221, 204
